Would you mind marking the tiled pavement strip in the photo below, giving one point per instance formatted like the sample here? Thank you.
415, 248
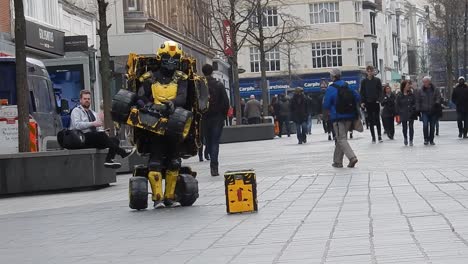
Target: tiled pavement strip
400, 205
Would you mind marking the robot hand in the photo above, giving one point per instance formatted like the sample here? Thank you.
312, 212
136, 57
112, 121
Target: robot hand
169, 107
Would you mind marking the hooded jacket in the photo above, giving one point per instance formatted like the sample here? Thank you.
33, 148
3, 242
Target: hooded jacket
330, 100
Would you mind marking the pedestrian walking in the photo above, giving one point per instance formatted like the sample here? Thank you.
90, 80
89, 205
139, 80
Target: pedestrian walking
299, 114
284, 113
253, 111
214, 117
341, 101
428, 103
371, 94
310, 113
406, 109
388, 111
460, 99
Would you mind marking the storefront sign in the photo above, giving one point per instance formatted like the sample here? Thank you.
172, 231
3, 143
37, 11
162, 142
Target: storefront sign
76, 43
44, 38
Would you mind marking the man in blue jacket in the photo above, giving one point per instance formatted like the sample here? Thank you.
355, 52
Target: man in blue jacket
341, 101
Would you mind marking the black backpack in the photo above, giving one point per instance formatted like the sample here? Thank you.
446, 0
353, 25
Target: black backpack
345, 102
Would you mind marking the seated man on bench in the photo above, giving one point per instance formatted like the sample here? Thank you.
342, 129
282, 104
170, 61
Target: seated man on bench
85, 119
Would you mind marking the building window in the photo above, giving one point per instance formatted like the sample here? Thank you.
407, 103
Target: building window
374, 55
358, 11
272, 58
395, 45
45, 11
326, 54
360, 52
372, 23
270, 18
132, 5
328, 12
254, 59
395, 66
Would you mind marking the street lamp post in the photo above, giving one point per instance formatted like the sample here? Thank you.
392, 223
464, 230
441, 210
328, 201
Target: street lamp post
465, 42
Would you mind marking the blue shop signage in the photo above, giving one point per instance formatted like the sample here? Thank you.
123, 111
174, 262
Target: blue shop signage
311, 83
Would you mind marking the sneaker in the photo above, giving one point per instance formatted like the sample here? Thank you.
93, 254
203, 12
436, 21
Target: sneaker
337, 165
432, 143
159, 205
380, 140
411, 143
426, 143
352, 162
111, 164
128, 152
406, 142
171, 204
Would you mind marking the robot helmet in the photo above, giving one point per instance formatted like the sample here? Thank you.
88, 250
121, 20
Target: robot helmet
170, 54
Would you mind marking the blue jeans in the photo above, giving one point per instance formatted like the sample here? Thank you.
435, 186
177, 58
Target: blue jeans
301, 131
309, 124
429, 122
214, 129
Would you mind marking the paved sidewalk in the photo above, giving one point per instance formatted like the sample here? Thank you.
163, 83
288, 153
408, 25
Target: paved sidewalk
400, 205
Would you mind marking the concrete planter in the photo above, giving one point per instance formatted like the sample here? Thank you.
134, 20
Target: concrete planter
53, 170
245, 133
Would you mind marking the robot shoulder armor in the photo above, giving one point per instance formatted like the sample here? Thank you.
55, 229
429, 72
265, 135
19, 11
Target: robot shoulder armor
178, 75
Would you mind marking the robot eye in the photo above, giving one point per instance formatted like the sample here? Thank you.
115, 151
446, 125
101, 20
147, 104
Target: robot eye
162, 46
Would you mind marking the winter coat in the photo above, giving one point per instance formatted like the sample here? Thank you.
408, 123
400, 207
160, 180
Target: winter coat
406, 107
388, 104
427, 99
460, 98
298, 107
253, 109
284, 107
371, 90
330, 100
219, 101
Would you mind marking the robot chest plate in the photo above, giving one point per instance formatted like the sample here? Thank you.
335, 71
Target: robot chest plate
164, 92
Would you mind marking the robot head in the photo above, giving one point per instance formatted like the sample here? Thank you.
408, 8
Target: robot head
170, 54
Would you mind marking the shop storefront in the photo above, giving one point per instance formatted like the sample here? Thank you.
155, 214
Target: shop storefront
311, 83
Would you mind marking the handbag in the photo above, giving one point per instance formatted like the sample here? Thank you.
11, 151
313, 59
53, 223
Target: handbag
357, 125
277, 128
71, 139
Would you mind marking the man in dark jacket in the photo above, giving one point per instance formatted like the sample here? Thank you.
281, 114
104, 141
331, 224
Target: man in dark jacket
428, 103
214, 118
460, 99
371, 94
299, 114
284, 113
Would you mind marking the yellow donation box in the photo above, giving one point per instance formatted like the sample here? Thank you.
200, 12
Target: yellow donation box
241, 191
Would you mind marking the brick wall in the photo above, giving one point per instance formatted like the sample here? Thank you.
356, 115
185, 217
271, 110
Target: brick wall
5, 16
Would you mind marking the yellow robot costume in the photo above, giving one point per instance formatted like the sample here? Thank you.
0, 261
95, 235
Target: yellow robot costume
163, 104
164, 91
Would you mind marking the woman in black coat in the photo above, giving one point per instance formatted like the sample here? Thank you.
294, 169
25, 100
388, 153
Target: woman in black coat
406, 109
388, 112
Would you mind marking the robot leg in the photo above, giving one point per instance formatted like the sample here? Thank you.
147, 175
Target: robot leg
155, 179
171, 180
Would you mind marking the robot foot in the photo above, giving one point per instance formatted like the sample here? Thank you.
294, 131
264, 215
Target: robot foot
171, 203
159, 205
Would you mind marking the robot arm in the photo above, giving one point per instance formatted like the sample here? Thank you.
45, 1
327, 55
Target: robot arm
181, 98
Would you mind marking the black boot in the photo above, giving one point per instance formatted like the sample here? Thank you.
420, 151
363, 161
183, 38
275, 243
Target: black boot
214, 171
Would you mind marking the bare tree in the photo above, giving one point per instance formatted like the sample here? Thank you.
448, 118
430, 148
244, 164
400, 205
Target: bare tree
288, 47
446, 26
22, 92
266, 33
104, 68
223, 19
